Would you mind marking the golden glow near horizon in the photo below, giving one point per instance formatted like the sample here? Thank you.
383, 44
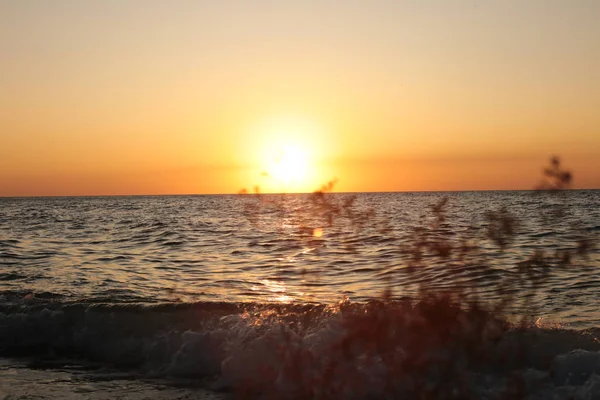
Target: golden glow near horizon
209, 97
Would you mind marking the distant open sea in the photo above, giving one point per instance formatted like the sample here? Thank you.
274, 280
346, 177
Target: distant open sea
165, 296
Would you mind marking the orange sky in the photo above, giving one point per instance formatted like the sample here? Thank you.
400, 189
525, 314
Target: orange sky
148, 97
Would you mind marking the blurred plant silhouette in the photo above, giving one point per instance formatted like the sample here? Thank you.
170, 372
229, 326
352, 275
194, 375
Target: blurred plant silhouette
555, 178
428, 346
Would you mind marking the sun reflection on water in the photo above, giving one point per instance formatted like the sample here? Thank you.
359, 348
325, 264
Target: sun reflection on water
277, 289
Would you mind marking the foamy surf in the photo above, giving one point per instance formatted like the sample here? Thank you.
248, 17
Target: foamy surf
350, 350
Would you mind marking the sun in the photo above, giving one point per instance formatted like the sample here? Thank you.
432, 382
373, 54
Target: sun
288, 164
287, 152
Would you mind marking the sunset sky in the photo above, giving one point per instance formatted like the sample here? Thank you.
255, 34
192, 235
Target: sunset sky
157, 97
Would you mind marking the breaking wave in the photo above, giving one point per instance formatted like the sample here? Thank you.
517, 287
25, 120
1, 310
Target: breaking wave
349, 350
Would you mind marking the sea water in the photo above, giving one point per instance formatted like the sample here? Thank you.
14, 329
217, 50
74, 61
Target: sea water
190, 296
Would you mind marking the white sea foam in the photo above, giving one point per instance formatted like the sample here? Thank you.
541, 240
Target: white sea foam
315, 352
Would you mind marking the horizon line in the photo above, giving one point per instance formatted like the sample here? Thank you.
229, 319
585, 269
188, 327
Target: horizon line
289, 193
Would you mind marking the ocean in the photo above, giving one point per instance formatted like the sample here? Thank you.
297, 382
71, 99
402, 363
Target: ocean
330, 295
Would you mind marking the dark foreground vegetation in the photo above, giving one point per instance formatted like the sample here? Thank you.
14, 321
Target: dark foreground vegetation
439, 345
